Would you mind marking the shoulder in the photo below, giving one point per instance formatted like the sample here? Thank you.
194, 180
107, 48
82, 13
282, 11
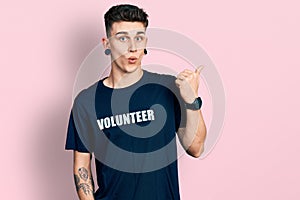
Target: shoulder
165, 79
87, 95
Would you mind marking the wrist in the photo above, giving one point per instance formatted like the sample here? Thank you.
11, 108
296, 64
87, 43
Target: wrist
195, 105
190, 99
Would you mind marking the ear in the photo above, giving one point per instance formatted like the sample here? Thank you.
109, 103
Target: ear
146, 42
105, 43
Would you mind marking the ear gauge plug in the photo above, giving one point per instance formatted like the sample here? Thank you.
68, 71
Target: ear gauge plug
145, 51
107, 51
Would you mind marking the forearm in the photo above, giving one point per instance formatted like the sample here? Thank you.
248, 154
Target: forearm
193, 135
83, 179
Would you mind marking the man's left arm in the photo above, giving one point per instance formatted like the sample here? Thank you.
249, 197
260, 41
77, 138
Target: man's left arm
192, 136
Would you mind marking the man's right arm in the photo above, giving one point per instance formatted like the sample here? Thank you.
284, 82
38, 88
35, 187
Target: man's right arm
83, 175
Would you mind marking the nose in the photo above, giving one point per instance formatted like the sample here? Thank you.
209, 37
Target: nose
132, 46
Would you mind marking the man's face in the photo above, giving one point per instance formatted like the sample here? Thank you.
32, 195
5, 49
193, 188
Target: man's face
127, 44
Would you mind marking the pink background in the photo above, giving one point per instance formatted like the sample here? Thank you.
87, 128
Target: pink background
255, 46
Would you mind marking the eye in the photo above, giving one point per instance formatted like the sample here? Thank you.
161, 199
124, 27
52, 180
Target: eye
139, 38
123, 39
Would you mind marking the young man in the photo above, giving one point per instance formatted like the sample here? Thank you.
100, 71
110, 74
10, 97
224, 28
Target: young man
138, 112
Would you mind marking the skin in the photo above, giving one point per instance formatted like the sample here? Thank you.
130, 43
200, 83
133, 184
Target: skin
124, 73
192, 137
82, 175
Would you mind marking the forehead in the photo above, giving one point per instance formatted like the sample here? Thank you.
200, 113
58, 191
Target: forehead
130, 27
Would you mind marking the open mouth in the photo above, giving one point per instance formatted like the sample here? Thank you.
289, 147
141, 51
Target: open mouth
132, 60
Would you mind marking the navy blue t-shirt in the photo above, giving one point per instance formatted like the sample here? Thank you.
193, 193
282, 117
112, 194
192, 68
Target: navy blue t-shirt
132, 133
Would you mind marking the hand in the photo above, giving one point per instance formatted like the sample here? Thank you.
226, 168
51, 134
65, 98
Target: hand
188, 83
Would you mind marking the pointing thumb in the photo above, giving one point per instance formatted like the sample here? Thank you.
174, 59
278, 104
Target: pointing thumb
199, 69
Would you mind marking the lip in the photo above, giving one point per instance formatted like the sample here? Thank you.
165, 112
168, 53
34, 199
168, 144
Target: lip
132, 59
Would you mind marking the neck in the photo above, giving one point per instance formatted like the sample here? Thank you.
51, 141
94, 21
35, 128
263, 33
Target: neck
120, 79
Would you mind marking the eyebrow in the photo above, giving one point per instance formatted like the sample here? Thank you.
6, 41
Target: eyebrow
126, 33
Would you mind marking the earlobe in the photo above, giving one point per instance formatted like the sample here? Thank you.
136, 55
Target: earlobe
105, 43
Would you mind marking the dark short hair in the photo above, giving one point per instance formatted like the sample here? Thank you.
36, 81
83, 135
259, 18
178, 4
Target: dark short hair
124, 12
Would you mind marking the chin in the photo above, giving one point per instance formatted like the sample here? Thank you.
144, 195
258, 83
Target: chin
131, 68
127, 67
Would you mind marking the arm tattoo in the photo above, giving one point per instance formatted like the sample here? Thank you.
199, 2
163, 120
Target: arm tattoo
83, 173
86, 188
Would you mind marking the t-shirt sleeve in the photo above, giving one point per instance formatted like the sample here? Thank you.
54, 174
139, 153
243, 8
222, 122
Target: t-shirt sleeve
73, 141
79, 134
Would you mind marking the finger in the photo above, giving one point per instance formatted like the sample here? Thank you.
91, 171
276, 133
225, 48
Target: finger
199, 69
183, 74
187, 74
181, 77
188, 71
178, 82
